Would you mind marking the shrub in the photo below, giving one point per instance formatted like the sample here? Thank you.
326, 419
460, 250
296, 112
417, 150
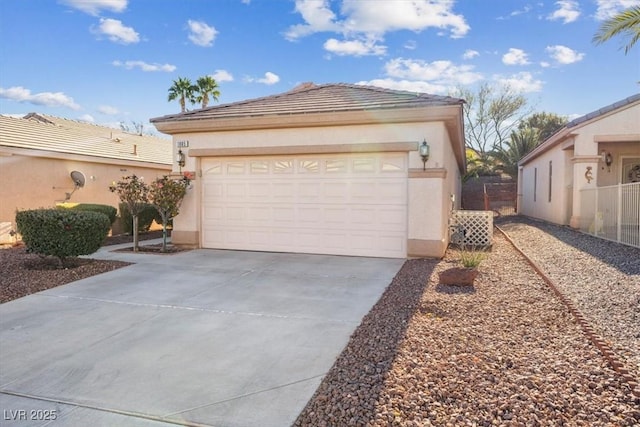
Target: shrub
109, 211
62, 233
471, 258
146, 216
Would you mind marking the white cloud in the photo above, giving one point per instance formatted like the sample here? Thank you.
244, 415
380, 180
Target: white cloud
564, 55
354, 47
87, 118
143, 66
108, 110
201, 34
515, 57
93, 7
49, 99
318, 17
521, 82
268, 79
470, 54
410, 45
222, 76
568, 11
441, 73
407, 85
391, 15
116, 32
608, 8
359, 21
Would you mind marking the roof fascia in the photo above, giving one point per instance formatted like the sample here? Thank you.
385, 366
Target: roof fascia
299, 120
27, 152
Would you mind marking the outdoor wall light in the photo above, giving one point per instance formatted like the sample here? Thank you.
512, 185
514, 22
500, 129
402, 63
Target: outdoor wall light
424, 153
607, 158
180, 158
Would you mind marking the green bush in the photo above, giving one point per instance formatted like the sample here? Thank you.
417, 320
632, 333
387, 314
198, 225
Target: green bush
62, 233
145, 218
109, 211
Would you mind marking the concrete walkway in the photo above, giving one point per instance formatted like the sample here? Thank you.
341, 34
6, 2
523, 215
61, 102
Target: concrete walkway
204, 337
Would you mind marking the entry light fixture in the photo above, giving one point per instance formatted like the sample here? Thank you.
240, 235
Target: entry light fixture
424, 153
607, 158
180, 158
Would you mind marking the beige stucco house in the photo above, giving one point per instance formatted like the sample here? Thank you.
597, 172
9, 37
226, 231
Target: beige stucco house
329, 169
587, 175
38, 153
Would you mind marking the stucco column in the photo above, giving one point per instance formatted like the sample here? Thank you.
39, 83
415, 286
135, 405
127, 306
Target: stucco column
425, 213
585, 175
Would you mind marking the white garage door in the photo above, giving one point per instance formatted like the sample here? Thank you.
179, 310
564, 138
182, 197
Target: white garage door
348, 204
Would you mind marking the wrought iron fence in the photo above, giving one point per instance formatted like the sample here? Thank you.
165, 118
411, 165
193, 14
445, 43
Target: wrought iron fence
612, 213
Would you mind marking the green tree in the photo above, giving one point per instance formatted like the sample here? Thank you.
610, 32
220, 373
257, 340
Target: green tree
133, 192
546, 123
166, 195
182, 90
625, 23
520, 143
490, 114
206, 87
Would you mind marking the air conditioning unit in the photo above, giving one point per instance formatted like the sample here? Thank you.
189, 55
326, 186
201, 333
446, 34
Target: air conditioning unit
471, 228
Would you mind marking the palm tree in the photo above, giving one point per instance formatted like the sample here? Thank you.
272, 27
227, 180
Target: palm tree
206, 86
519, 144
182, 90
626, 22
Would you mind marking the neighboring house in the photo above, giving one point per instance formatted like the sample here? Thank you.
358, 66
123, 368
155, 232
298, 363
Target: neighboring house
330, 169
38, 153
587, 175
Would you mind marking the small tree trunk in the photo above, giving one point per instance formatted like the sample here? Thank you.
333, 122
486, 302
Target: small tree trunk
164, 233
135, 233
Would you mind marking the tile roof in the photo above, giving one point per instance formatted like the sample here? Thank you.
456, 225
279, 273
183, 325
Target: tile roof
309, 98
604, 110
54, 134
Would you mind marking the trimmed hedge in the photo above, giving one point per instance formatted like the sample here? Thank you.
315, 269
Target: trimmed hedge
62, 232
109, 211
145, 218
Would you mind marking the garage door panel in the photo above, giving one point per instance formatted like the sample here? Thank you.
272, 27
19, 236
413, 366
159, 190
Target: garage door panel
335, 204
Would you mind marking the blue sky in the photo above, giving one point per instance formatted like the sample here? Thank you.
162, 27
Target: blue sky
111, 61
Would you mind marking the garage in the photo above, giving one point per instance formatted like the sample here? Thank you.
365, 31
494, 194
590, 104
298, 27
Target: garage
333, 168
343, 204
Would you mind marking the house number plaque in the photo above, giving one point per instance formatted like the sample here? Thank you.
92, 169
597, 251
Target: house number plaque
182, 144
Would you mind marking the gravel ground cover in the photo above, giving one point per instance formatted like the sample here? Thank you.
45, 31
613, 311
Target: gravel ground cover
506, 352
601, 278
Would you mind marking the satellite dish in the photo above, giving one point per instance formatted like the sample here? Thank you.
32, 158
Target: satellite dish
78, 179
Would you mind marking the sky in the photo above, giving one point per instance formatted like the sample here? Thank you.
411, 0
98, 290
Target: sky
113, 61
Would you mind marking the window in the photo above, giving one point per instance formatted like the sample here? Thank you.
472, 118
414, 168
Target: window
283, 166
309, 166
259, 166
535, 183
337, 165
234, 168
550, 174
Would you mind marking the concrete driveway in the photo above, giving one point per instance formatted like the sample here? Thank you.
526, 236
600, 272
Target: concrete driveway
205, 337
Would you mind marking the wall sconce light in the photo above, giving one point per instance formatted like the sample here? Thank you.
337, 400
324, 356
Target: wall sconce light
424, 153
180, 159
607, 158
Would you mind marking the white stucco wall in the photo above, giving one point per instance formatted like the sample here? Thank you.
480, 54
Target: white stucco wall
545, 196
574, 152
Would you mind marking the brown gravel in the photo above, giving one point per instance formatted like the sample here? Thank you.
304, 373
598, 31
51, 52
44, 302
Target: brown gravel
23, 274
506, 353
